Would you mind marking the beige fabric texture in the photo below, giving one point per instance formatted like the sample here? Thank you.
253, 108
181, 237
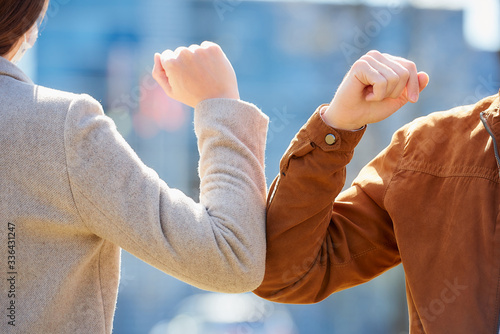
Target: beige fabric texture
74, 193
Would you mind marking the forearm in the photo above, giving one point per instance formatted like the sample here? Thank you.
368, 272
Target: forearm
312, 174
231, 138
319, 242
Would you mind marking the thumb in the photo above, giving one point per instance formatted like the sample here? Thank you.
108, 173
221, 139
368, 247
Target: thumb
423, 80
160, 76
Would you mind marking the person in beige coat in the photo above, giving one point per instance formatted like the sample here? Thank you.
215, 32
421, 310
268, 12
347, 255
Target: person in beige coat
73, 192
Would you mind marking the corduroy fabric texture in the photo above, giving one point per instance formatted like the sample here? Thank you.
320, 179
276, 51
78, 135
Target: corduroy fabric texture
429, 201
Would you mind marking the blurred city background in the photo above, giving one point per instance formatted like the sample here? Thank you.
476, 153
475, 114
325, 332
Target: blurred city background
289, 57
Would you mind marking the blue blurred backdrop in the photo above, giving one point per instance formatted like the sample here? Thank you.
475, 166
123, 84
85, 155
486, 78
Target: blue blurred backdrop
289, 57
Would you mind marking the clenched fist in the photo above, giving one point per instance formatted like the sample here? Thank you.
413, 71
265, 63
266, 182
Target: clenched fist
377, 86
200, 72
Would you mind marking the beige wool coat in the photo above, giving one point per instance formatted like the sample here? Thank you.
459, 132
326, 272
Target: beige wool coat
73, 193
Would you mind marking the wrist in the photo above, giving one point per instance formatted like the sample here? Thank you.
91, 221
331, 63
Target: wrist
233, 95
330, 120
229, 96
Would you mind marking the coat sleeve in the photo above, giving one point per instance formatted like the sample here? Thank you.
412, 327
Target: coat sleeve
320, 241
217, 244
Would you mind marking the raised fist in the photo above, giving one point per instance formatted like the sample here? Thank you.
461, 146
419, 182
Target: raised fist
200, 72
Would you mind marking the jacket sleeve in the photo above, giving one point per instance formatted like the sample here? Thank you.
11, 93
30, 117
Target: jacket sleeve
320, 242
217, 244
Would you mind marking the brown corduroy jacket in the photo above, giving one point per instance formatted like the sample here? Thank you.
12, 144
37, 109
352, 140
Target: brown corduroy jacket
429, 201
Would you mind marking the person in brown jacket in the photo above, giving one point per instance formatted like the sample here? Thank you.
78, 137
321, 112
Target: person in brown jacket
73, 193
430, 201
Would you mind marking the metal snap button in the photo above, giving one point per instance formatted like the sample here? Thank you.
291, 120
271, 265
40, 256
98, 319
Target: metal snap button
330, 139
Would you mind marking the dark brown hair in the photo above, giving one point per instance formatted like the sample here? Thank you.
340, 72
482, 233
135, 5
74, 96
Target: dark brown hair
16, 18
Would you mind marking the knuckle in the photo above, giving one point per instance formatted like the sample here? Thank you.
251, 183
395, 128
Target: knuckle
363, 61
393, 78
171, 65
169, 62
389, 57
411, 66
366, 57
193, 47
400, 70
381, 82
404, 74
214, 48
360, 65
374, 53
182, 51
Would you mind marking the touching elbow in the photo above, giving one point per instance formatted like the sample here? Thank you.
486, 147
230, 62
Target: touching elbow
247, 277
244, 275
252, 279
243, 258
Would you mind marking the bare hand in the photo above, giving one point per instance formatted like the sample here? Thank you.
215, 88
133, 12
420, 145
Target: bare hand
377, 86
191, 75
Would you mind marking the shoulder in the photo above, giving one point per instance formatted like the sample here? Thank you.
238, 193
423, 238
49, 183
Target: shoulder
453, 121
441, 141
437, 127
65, 100
38, 109
78, 117
73, 110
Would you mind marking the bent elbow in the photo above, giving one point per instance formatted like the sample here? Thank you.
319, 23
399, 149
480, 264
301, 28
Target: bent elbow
243, 257
245, 277
252, 279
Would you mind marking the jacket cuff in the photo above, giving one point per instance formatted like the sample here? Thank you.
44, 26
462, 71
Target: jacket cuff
328, 138
243, 118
